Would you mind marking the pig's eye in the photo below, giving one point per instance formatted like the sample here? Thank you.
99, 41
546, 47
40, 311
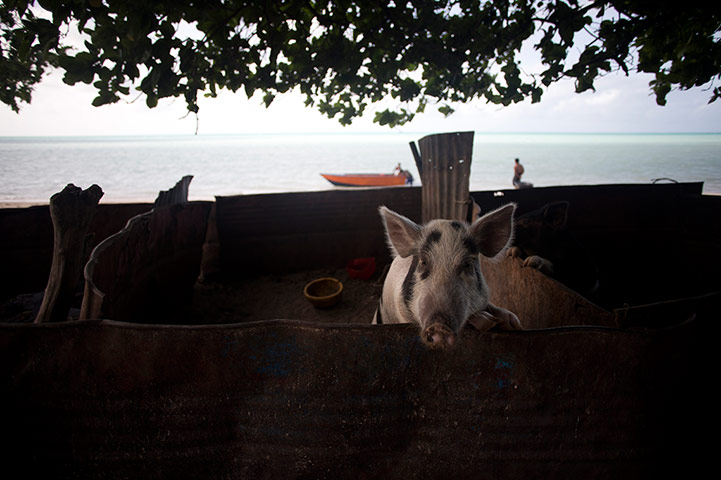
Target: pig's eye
424, 267
468, 267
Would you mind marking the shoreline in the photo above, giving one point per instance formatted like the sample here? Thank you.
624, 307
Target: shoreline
13, 204
27, 204
19, 204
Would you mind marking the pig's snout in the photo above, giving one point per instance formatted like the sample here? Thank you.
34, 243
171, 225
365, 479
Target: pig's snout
438, 335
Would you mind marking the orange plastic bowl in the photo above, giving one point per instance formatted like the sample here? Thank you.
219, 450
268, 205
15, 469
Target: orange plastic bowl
323, 292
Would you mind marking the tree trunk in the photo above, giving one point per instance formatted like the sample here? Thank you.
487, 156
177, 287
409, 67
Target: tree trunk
71, 211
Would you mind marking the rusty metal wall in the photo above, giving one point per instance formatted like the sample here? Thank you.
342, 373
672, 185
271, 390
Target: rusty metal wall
147, 271
291, 400
283, 399
539, 300
651, 242
629, 228
26, 242
295, 231
617, 204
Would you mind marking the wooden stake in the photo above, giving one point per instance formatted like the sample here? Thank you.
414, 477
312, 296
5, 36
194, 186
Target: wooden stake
71, 211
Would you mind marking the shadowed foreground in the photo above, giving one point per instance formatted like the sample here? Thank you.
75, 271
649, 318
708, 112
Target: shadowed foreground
287, 399
614, 388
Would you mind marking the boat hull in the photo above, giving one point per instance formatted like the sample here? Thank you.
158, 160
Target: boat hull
365, 179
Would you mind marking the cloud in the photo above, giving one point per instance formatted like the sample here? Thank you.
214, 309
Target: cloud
607, 97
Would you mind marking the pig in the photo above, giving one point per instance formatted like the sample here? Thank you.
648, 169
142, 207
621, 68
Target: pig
435, 277
544, 242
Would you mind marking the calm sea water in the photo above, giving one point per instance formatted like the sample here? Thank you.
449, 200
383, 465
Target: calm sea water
137, 168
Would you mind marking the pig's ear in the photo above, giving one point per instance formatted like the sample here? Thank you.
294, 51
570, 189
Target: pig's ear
402, 233
493, 232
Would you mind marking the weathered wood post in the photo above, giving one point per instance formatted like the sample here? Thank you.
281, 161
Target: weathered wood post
71, 211
445, 175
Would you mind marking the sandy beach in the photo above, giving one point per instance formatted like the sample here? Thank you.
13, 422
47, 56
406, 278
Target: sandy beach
10, 204
20, 204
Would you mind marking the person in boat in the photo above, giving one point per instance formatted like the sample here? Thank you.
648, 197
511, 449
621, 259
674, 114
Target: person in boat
518, 171
399, 171
409, 177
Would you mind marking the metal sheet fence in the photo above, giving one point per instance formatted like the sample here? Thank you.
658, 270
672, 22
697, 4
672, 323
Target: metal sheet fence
284, 399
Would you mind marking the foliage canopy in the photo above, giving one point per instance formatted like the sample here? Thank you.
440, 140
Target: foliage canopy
346, 54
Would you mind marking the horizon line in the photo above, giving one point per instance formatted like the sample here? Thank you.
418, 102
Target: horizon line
122, 135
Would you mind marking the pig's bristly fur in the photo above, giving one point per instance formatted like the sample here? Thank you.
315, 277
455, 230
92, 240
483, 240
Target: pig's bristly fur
435, 279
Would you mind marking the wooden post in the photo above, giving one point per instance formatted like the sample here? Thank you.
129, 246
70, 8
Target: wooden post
417, 158
71, 211
445, 175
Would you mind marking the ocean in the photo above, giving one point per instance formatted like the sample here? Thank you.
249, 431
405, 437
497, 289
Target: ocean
137, 168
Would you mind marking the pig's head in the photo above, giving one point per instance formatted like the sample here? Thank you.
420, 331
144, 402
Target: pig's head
444, 285
536, 231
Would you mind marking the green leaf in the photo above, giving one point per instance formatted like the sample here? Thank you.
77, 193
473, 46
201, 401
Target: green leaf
104, 98
446, 110
151, 101
268, 99
346, 55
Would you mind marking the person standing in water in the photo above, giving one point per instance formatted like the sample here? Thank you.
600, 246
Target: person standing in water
518, 171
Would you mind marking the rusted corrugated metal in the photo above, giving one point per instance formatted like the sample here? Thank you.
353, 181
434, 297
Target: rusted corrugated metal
446, 169
26, 242
539, 300
296, 231
248, 223
651, 242
146, 271
285, 399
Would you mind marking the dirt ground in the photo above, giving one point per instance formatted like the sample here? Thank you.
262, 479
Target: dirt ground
22, 308
267, 297
271, 297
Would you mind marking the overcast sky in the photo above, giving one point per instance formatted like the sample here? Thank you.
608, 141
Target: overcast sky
620, 104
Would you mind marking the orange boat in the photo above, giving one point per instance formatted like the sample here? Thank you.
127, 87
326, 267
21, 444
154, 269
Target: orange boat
365, 179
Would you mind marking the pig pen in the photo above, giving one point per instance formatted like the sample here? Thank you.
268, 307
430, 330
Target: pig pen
189, 384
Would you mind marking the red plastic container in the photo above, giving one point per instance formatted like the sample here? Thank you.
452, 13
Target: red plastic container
362, 268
